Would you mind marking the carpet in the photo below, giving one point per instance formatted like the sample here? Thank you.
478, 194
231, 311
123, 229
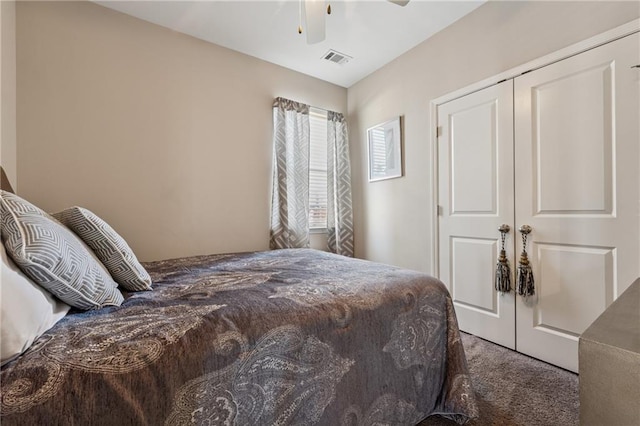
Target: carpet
513, 389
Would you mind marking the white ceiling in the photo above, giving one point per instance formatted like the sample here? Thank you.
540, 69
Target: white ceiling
373, 32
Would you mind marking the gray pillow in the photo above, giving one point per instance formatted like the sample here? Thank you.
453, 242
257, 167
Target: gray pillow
112, 250
54, 257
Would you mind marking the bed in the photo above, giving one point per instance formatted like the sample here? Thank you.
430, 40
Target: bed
287, 337
283, 337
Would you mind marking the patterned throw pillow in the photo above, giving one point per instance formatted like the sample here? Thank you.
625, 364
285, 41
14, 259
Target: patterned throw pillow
54, 257
112, 250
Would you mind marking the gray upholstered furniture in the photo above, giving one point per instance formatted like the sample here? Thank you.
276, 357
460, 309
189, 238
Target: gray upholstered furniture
610, 364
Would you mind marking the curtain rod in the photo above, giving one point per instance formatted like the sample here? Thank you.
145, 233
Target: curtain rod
323, 109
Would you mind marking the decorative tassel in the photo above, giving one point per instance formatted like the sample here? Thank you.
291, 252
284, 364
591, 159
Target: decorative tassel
525, 280
526, 285
503, 271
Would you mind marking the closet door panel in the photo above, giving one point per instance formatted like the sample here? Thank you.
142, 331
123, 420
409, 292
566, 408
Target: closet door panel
571, 120
472, 160
472, 258
475, 196
577, 186
572, 309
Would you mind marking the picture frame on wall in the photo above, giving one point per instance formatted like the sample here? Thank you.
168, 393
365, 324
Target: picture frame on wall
385, 150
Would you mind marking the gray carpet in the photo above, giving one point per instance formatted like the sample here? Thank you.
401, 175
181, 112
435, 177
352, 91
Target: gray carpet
516, 390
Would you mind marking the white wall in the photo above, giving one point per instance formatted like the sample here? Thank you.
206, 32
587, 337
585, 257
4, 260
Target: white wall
8, 89
393, 218
166, 137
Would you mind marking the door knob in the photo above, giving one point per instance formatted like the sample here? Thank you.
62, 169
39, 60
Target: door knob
526, 229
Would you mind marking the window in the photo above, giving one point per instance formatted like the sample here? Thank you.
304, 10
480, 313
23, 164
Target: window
318, 169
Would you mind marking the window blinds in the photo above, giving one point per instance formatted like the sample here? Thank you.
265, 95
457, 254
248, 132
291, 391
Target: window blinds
318, 169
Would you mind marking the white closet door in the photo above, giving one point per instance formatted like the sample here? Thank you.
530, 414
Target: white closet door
475, 163
577, 186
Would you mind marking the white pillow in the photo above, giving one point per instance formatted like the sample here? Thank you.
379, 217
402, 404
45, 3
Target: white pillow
112, 250
27, 310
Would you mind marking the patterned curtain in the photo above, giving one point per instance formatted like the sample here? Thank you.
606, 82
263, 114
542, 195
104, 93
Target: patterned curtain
339, 210
290, 194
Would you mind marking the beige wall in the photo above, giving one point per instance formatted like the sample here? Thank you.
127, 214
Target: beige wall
166, 137
393, 218
169, 138
8, 89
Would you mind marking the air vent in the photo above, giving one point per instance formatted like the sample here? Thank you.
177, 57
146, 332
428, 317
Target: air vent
336, 57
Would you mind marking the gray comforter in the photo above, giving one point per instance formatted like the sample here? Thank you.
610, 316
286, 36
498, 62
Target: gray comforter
287, 337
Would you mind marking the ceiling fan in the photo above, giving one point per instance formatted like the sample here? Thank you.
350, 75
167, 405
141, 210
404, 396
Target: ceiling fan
315, 14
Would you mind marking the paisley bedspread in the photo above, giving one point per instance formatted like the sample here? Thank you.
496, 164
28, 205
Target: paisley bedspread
286, 337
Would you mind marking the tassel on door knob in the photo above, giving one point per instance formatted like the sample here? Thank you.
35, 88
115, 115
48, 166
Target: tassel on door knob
503, 271
526, 285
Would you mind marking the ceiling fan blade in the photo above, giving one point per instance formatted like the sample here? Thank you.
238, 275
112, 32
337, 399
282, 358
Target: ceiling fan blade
399, 2
315, 11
